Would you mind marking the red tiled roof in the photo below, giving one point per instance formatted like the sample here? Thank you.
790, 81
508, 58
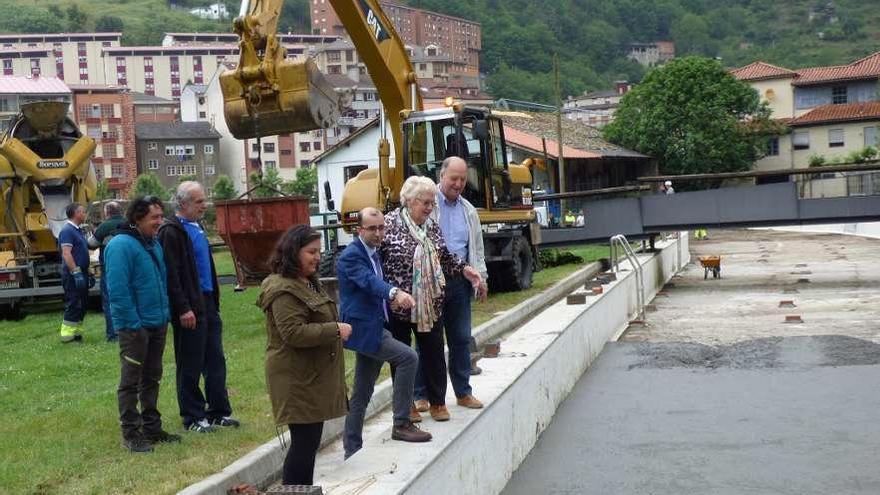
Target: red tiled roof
836, 113
533, 143
32, 85
864, 68
761, 70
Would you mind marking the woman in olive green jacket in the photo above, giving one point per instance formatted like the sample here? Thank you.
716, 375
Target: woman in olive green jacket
305, 369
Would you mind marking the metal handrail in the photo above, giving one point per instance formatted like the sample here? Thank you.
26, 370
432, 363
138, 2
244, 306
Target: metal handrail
621, 240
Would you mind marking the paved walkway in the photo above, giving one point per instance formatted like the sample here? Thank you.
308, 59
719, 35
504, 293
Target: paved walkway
717, 395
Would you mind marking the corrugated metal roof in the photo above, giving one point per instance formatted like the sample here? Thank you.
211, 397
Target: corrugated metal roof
32, 85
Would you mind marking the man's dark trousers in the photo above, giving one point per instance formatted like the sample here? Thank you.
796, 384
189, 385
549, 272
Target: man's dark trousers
366, 370
140, 353
74, 300
105, 306
199, 352
456, 319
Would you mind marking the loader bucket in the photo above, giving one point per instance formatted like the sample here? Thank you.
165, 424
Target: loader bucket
300, 100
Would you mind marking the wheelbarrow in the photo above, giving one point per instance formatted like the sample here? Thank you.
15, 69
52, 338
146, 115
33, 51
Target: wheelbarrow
711, 264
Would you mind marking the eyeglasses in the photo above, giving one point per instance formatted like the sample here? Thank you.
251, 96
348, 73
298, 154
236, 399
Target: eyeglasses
374, 228
428, 202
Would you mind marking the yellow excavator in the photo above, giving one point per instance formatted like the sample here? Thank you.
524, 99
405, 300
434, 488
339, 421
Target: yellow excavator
269, 94
44, 166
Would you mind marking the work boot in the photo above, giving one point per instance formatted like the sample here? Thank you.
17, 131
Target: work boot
409, 433
469, 401
440, 413
414, 416
422, 405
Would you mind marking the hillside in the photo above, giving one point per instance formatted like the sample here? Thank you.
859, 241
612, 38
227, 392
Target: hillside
520, 37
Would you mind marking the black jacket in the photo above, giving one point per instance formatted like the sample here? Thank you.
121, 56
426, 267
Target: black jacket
184, 290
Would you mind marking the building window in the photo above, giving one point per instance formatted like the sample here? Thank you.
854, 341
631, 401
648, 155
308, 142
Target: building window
269, 147
35, 66
286, 152
835, 138
368, 96
870, 136
773, 146
169, 151
333, 56
209, 170
109, 151
304, 163
801, 140
180, 150
316, 146
117, 170
209, 149
189, 150
203, 115
7, 67
171, 170
349, 173
269, 164
153, 164
255, 147
305, 146
152, 146
838, 95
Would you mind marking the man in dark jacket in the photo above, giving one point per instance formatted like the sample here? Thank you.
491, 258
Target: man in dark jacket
364, 296
195, 315
99, 240
139, 308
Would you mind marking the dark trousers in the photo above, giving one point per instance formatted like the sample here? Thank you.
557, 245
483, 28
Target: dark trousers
105, 307
457, 328
74, 300
198, 352
432, 362
140, 356
367, 366
299, 464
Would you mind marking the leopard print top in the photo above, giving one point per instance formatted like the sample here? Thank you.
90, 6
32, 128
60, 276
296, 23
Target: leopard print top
397, 251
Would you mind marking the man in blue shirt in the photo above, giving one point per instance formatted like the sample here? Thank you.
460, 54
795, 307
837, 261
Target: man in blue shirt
99, 240
74, 273
460, 226
195, 315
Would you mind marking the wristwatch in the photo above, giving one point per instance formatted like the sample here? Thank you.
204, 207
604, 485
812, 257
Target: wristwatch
392, 293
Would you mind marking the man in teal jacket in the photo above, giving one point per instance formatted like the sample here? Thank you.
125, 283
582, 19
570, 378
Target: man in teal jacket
136, 286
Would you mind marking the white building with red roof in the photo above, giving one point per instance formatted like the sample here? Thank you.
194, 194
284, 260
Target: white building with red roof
828, 112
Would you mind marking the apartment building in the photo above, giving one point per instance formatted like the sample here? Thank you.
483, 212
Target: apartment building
73, 57
595, 108
15, 91
362, 105
107, 115
460, 38
177, 150
296, 44
149, 108
827, 111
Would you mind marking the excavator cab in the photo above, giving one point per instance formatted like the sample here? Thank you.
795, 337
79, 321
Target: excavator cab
472, 134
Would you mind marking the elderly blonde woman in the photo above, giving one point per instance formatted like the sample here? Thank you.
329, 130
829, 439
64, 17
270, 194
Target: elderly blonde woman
415, 259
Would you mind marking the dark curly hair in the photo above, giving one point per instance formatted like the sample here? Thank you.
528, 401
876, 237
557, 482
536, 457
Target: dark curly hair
285, 257
140, 207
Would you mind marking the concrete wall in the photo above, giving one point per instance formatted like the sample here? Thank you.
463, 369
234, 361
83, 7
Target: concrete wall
481, 459
778, 93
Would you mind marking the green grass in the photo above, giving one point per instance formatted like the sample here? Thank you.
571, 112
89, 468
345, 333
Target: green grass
59, 429
223, 262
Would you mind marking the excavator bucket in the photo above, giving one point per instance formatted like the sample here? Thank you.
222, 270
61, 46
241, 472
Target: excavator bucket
300, 100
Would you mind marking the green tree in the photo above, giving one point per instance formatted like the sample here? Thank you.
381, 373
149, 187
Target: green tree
29, 19
691, 35
694, 117
109, 24
268, 185
149, 184
305, 183
76, 18
224, 188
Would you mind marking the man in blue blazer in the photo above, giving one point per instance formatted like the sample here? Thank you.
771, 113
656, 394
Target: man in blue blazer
364, 296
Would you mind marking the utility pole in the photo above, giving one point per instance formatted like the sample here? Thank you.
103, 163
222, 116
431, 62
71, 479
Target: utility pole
560, 159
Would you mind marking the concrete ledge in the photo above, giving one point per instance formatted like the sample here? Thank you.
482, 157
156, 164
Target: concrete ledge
477, 450
263, 465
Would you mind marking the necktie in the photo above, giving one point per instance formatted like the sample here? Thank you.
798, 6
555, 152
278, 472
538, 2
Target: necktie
377, 265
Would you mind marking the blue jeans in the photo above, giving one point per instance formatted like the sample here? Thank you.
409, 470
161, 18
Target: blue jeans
456, 319
105, 306
366, 370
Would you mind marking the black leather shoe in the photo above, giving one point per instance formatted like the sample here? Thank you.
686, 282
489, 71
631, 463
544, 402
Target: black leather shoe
409, 433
